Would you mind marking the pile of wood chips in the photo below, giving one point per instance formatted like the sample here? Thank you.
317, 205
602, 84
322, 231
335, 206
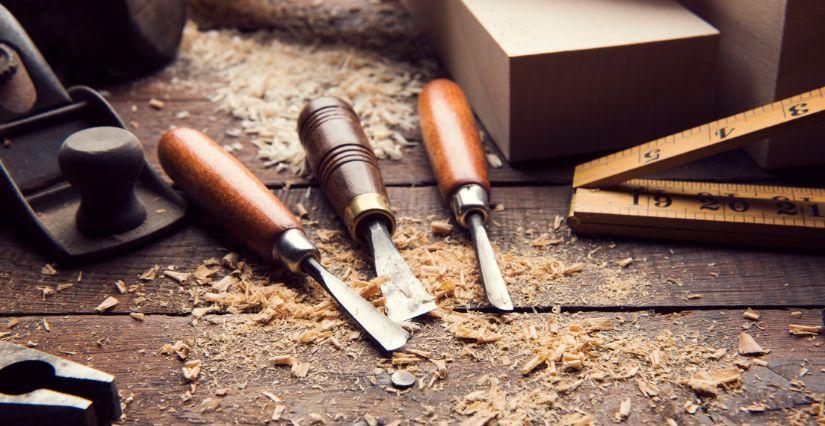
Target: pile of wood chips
562, 357
263, 77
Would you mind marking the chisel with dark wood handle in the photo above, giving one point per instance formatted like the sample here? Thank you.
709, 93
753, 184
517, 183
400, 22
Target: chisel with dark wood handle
347, 170
237, 200
454, 148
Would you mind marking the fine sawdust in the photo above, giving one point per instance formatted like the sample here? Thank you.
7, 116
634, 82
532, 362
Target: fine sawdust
282, 323
264, 77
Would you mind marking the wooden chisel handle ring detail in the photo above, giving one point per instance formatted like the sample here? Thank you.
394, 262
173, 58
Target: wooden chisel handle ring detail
344, 164
237, 200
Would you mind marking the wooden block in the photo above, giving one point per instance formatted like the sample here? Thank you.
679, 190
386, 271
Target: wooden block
769, 50
563, 77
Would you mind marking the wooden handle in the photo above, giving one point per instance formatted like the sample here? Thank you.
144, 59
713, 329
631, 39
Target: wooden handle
222, 186
343, 162
451, 137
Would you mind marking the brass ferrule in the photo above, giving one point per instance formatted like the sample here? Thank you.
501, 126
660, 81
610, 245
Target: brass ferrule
468, 199
367, 205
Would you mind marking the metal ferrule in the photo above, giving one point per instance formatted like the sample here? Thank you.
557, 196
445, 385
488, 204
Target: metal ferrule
363, 206
469, 199
292, 247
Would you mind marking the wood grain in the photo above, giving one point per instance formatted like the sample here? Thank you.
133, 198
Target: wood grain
340, 155
130, 350
219, 184
768, 51
414, 169
546, 85
451, 137
663, 274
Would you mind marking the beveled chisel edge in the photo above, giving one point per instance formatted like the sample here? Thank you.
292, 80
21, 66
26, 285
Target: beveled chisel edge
494, 284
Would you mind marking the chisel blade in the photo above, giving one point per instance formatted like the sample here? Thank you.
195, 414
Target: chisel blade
405, 297
490, 273
387, 333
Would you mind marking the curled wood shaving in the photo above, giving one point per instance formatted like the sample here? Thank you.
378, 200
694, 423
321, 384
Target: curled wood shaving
137, 316
150, 274
192, 369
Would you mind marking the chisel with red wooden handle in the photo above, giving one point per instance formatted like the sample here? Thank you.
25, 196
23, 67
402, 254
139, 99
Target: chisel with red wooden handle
454, 148
239, 202
345, 166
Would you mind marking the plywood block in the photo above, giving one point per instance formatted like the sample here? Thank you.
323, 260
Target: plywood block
552, 78
770, 50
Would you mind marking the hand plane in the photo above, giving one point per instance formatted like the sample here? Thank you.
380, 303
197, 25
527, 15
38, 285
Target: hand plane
73, 180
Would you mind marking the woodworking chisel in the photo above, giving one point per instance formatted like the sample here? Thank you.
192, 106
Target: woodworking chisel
239, 202
454, 148
347, 170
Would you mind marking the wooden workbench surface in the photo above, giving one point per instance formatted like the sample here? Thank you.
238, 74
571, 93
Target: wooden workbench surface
697, 291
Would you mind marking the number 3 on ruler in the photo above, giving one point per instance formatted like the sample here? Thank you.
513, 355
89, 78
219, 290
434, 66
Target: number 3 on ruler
798, 109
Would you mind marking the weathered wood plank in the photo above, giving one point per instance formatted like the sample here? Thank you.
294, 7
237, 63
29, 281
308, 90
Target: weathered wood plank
662, 274
338, 387
148, 124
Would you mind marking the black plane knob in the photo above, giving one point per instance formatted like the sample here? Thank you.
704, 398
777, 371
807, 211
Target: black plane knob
103, 165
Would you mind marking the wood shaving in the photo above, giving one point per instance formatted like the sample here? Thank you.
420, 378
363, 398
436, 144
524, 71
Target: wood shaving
192, 370
804, 330
751, 315
287, 360
647, 388
120, 286
441, 228
209, 404
106, 304
156, 104
150, 274
624, 411
624, 263
177, 276
266, 79
137, 316
48, 269
494, 160
65, 286
748, 346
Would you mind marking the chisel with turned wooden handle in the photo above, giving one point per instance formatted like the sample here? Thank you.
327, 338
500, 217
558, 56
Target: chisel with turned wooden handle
239, 202
347, 169
453, 145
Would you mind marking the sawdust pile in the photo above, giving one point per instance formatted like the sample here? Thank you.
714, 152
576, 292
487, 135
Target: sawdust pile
446, 266
530, 367
264, 78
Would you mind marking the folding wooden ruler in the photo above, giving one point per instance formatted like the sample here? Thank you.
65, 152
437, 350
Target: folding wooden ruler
608, 199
